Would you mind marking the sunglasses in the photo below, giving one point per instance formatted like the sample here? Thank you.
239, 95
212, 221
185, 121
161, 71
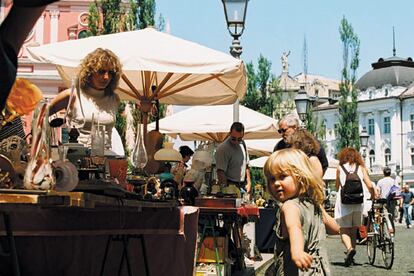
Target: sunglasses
103, 72
282, 130
237, 139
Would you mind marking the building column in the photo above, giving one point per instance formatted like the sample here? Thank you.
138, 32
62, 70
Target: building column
395, 135
40, 29
54, 25
379, 155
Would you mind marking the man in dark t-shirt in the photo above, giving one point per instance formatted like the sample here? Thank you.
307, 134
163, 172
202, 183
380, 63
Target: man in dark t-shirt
407, 199
288, 125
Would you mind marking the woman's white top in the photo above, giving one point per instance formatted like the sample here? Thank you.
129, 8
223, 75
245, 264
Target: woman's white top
97, 106
342, 210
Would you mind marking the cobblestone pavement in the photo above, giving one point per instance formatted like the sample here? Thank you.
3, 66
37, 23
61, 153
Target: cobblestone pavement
403, 262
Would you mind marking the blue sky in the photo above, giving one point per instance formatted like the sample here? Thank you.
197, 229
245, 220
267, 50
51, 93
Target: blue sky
274, 26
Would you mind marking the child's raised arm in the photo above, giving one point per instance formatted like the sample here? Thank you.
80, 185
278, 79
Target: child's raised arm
291, 219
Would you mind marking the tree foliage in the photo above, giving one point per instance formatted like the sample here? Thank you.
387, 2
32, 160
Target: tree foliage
263, 95
263, 92
348, 130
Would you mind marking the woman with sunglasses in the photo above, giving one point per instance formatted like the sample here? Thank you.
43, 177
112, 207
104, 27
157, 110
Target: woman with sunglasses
94, 98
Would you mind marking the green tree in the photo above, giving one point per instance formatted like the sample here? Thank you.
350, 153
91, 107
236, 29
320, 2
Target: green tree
348, 132
263, 92
146, 13
263, 95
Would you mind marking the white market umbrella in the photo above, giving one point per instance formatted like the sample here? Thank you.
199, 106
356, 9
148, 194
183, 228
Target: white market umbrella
258, 162
261, 147
183, 72
212, 123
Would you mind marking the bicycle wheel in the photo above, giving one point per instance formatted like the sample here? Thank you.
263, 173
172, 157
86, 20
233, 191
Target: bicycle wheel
387, 244
371, 241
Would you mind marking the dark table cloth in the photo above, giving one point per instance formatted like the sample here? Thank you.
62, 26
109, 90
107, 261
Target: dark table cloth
72, 240
265, 235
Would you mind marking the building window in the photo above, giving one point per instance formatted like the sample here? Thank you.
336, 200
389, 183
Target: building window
387, 125
412, 156
371, 158
371, 127
412, 121
387, 156
336, 127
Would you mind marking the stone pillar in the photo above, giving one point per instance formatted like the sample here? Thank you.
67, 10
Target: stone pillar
40, 29
54, 25
395, 135
379, 155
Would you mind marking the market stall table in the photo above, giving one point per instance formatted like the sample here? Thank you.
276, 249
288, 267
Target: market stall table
233, 219
58, 235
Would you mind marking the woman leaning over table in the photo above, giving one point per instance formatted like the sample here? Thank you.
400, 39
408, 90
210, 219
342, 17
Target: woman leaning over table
94, 96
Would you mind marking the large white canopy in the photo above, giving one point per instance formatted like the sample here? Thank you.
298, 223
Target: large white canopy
212, 123
183, 72
261, 147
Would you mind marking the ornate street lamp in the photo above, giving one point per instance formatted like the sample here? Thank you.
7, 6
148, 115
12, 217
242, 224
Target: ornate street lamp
235, 12
363, 139
302, 104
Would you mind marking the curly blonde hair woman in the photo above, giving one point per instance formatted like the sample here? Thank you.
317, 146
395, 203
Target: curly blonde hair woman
100, 59
95, 100
300, 229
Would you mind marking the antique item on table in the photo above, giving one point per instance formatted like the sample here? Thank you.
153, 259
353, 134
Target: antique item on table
7, 173
139, 156
97, 137
118, 170
189, 193
66, 176
153, 139
139, 182
169, 189
39, 173
23, 98
14, 147
152, 188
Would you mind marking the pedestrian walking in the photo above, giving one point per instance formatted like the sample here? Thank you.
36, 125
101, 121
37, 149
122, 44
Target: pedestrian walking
349, 207
300, 231
407, 198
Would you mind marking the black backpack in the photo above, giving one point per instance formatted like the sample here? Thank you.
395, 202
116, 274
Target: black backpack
352, 191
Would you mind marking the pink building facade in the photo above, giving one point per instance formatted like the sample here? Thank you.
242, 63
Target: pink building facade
63, 20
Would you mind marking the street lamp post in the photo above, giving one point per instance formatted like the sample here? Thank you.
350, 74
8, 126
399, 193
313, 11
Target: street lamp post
363, 138
302, 105
235, 12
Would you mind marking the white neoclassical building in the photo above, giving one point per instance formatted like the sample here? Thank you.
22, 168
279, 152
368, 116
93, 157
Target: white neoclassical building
386, 110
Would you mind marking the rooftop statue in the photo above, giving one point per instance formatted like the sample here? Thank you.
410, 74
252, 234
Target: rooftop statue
285, 63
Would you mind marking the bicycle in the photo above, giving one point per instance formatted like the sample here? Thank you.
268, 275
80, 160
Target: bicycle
380, 233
